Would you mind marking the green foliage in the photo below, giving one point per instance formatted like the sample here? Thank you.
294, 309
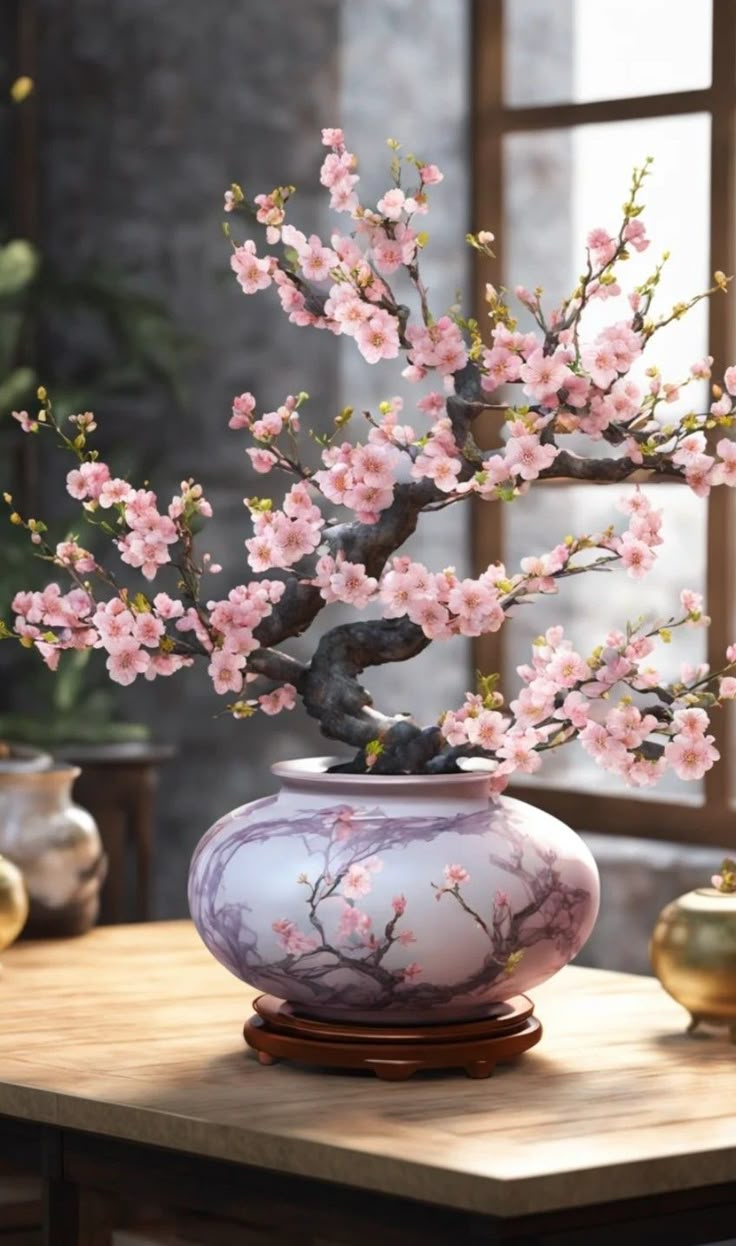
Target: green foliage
139, 346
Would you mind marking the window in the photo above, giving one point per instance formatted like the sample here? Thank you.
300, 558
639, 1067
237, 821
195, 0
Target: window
568, 96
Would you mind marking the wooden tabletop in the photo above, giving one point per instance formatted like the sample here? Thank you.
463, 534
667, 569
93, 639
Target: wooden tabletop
135, 1032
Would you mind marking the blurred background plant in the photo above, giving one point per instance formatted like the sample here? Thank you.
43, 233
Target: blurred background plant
132, 347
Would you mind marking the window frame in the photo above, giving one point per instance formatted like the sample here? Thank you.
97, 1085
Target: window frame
713, 821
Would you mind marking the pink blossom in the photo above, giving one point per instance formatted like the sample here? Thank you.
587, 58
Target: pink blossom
430, 174
691, 721
316, 260
357, 882
243, 408
602, 246
166, 607
378, 337
252, 273
635, 555
635, 233
690, 601
27, 424
567, 668
455, 875
127, 662
432, 404
575, 708
519, 751
392, 204
148, 630
689, 449
333, 137
699, 474
262, 461
353, 922
544, 375
727, 688
411, 971
431, 616
350, 584
398, 904
225, 670
690, 756
722, 406
291, 938
283, 698
724, 472
527, 457
115, 493
87, 480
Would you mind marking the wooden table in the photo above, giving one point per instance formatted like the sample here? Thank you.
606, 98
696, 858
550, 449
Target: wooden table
125, 1082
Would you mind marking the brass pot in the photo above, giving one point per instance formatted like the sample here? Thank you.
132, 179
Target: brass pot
693, 952
13, 903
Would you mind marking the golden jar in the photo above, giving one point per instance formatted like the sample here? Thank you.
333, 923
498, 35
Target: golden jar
13, 903
693, 952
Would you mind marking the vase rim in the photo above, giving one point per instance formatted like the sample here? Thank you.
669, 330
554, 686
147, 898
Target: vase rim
313, 772
49, 776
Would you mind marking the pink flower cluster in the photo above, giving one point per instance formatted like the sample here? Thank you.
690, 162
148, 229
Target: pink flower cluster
358, 303
340, 580
233, 621
252, 273
283, 537
440, 603
563, 698
438, 346
361, 477
53, 621
292, 939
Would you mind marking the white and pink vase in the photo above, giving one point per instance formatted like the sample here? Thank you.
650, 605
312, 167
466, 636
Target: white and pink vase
408, 898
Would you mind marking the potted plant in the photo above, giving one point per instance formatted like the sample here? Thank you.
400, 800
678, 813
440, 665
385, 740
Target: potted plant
383, 884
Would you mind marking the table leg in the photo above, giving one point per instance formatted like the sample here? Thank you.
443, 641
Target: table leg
59, 1198
143, 836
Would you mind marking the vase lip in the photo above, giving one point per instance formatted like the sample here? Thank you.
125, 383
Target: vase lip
313, 772
24, 759
50, 776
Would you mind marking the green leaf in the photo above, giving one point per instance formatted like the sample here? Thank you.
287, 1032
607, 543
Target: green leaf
18, 266
16, 388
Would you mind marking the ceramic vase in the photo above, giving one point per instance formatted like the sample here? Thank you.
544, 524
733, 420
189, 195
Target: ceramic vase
693, 954
55, 844
370, 898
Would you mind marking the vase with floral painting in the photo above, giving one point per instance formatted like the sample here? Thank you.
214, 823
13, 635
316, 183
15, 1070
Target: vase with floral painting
408, 899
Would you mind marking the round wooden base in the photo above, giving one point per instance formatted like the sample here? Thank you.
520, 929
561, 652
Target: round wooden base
393, 1053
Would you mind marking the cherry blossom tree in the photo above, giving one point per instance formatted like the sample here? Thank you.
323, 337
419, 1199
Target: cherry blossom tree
353, 498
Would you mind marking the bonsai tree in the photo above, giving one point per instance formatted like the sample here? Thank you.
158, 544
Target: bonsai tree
353, 498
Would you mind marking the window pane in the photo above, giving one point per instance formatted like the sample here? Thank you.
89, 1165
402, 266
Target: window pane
570, 51
560, 184
590, 606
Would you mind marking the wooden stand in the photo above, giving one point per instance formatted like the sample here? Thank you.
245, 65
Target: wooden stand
393, 1053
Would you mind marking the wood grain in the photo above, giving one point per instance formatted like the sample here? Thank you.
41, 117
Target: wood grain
135, 1032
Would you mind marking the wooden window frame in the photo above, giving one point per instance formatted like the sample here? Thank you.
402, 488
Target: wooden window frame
714, 821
